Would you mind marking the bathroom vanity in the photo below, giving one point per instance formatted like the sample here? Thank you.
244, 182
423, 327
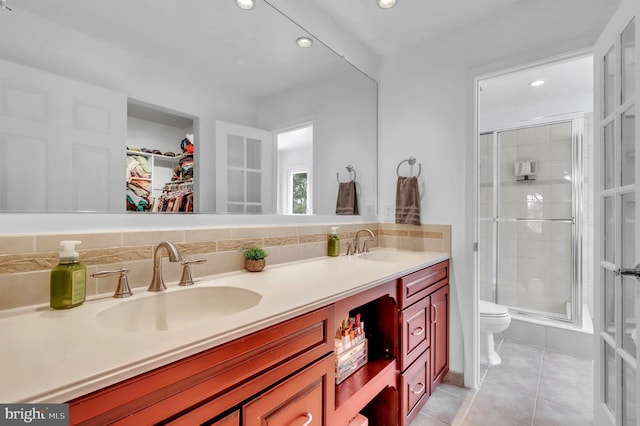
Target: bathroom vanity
285, 373
274, 363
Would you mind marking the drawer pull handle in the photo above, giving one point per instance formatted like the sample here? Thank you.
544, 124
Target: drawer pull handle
309, 420
434, 316
419, 391
418, 331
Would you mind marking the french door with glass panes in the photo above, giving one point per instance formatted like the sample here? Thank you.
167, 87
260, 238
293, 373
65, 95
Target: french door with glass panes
617, 171
244, 169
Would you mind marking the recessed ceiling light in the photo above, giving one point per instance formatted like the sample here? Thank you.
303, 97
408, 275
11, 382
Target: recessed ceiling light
386, 4
245, 4
304, 42
536, 83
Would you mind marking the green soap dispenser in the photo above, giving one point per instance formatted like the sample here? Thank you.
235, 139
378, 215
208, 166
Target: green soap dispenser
333, 244
68, 279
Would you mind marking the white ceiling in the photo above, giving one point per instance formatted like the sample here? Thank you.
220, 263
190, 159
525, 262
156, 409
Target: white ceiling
296, 139
509, 101
410, 21
249, 51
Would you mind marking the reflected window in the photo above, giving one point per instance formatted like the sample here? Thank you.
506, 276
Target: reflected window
299, 193
295, 170
535, 205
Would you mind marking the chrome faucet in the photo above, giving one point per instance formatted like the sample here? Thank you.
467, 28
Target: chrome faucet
157, 283
365, 246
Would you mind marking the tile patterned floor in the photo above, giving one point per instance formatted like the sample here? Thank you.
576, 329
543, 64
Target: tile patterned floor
532, 386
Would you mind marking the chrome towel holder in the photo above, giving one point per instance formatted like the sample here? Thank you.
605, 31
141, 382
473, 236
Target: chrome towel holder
351, 170
411, 162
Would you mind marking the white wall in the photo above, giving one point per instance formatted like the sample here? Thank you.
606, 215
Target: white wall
343, 112
147, 134
426, 111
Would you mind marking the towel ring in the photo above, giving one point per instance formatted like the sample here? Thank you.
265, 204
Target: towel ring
350, 169
411, 162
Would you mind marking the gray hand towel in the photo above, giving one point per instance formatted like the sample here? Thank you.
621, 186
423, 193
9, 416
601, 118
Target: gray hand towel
407, 201
347, 203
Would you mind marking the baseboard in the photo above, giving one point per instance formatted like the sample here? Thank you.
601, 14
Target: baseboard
454, 378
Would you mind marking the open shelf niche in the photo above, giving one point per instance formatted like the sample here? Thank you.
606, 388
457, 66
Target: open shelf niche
370, 387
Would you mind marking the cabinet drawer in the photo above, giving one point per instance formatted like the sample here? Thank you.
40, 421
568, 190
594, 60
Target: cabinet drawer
300, 400
416, 332
414, 388
232, 419
414, 287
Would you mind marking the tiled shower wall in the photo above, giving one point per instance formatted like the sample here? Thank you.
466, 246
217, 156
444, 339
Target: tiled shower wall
26, 260
534, 258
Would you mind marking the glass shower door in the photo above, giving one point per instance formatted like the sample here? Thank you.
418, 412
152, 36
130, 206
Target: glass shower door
537, 239
486, 218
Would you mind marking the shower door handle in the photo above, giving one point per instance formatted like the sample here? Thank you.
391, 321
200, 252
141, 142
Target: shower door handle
628, 271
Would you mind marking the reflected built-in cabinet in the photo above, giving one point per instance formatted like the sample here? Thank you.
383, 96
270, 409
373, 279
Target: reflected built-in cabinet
147, 176
159, 169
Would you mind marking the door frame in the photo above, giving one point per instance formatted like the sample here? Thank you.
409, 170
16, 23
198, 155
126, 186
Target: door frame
291, 125
472, 362
627, 10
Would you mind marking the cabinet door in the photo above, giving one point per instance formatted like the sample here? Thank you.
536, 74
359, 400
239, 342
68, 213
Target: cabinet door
414, 388
415, 332
439, 335
301, 400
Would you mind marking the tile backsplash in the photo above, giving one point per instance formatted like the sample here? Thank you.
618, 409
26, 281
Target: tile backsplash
26, 260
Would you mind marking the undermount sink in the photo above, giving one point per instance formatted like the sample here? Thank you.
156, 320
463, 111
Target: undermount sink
382, 256
176, 309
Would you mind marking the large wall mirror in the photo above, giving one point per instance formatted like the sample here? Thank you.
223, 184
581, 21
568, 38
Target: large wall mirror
170, 105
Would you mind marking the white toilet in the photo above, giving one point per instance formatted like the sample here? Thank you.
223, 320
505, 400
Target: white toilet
493, 319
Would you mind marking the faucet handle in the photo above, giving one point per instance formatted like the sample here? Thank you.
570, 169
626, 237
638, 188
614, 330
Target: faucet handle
365, 245
187, 278
350, 248
122, 289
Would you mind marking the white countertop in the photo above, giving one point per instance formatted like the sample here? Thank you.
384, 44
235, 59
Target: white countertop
54, 356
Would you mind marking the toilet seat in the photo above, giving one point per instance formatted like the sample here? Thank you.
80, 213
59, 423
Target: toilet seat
491, 310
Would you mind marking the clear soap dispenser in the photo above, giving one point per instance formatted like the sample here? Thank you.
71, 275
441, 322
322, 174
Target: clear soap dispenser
333, 244
68, 279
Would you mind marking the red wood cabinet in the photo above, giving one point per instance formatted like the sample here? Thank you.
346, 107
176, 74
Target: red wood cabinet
201, 387
423, 298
